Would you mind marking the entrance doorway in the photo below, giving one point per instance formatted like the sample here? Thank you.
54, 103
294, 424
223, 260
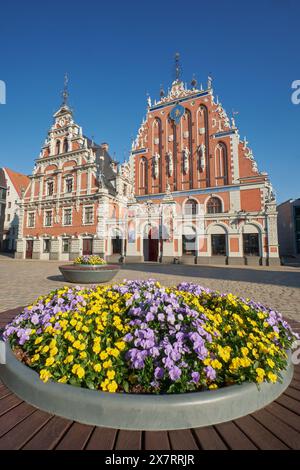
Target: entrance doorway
150, 246
29, 249
87, 246
117, 245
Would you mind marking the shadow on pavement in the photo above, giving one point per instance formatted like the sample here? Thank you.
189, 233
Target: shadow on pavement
260, 276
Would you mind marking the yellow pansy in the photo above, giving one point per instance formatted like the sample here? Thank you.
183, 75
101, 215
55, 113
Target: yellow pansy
111, 374
45, 375
112, 387
49, 361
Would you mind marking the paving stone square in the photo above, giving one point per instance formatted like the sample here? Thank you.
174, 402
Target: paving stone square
278, 287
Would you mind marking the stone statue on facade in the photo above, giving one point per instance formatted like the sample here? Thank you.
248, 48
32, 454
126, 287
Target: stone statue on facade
186, 154
202, 149
155, 165
170, 163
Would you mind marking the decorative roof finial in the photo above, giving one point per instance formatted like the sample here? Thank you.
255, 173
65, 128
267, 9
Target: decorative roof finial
178, 69
194, 81
65, 93
161, 91
209, 81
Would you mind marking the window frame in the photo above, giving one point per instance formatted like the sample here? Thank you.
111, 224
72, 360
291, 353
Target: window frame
208, 205
64, 216
63, 246
84, 215
67, 179
45, 217
31, 213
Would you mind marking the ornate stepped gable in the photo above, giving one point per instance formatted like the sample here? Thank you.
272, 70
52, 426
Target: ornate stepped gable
72, 171
203, 149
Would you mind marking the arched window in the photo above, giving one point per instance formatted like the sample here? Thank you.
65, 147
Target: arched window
143, 175
191, 207
214, 205
65, 148
57, 147
221, 164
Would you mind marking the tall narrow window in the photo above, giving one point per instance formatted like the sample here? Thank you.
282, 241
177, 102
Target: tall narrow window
221, 164
57, 148
69, 185
68, 217
65, 147
88, 215
143, 176
50, 187
30, 219
48, 218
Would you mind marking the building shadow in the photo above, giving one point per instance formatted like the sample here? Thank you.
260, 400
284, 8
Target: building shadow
227, 273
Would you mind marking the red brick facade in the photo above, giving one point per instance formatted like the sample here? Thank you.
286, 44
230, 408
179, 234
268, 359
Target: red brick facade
191, 191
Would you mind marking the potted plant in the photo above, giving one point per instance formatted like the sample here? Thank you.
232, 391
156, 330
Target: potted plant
89, 269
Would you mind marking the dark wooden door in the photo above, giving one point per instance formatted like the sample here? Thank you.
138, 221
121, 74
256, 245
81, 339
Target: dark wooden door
29, 249
87, 246
151, 246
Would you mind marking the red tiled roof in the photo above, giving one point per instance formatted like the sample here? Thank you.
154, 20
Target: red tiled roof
18, 180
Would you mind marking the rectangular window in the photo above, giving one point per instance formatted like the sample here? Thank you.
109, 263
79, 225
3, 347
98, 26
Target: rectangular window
66, 245
48, 218
88, 215
30, 222
9, 205
251, 244
218, 245
50, 187
8, 218
68, 217
46, 246
69, 185
189, 245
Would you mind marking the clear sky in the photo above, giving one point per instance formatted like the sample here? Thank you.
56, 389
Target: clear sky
116, 52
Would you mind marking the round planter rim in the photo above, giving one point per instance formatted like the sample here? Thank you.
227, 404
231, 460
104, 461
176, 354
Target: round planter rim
139, 412
72, 267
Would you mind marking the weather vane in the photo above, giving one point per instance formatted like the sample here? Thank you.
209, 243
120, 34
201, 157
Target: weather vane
65, 93
177, 67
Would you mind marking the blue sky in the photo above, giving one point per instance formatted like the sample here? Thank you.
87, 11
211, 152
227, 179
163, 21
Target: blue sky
117, 52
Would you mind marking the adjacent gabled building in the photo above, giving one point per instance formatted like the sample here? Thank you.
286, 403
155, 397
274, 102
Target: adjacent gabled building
2, 205
16, 184
289, 228
73, 187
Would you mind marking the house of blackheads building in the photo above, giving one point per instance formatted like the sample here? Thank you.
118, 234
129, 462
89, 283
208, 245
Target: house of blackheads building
190, 191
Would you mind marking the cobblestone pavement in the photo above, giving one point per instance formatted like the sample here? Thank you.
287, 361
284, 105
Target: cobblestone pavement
22, 281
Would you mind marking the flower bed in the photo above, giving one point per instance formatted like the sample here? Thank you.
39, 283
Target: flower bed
89, 260
139, 337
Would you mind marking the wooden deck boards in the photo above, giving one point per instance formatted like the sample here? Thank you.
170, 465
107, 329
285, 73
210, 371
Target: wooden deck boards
275, 427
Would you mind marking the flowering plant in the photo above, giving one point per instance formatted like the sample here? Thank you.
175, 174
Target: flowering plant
89, 259
140, 337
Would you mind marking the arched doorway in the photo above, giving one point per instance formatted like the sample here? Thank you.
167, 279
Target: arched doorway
150, 244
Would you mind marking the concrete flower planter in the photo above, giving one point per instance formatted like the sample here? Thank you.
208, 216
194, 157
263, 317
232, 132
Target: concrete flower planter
88, 273
139, 412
